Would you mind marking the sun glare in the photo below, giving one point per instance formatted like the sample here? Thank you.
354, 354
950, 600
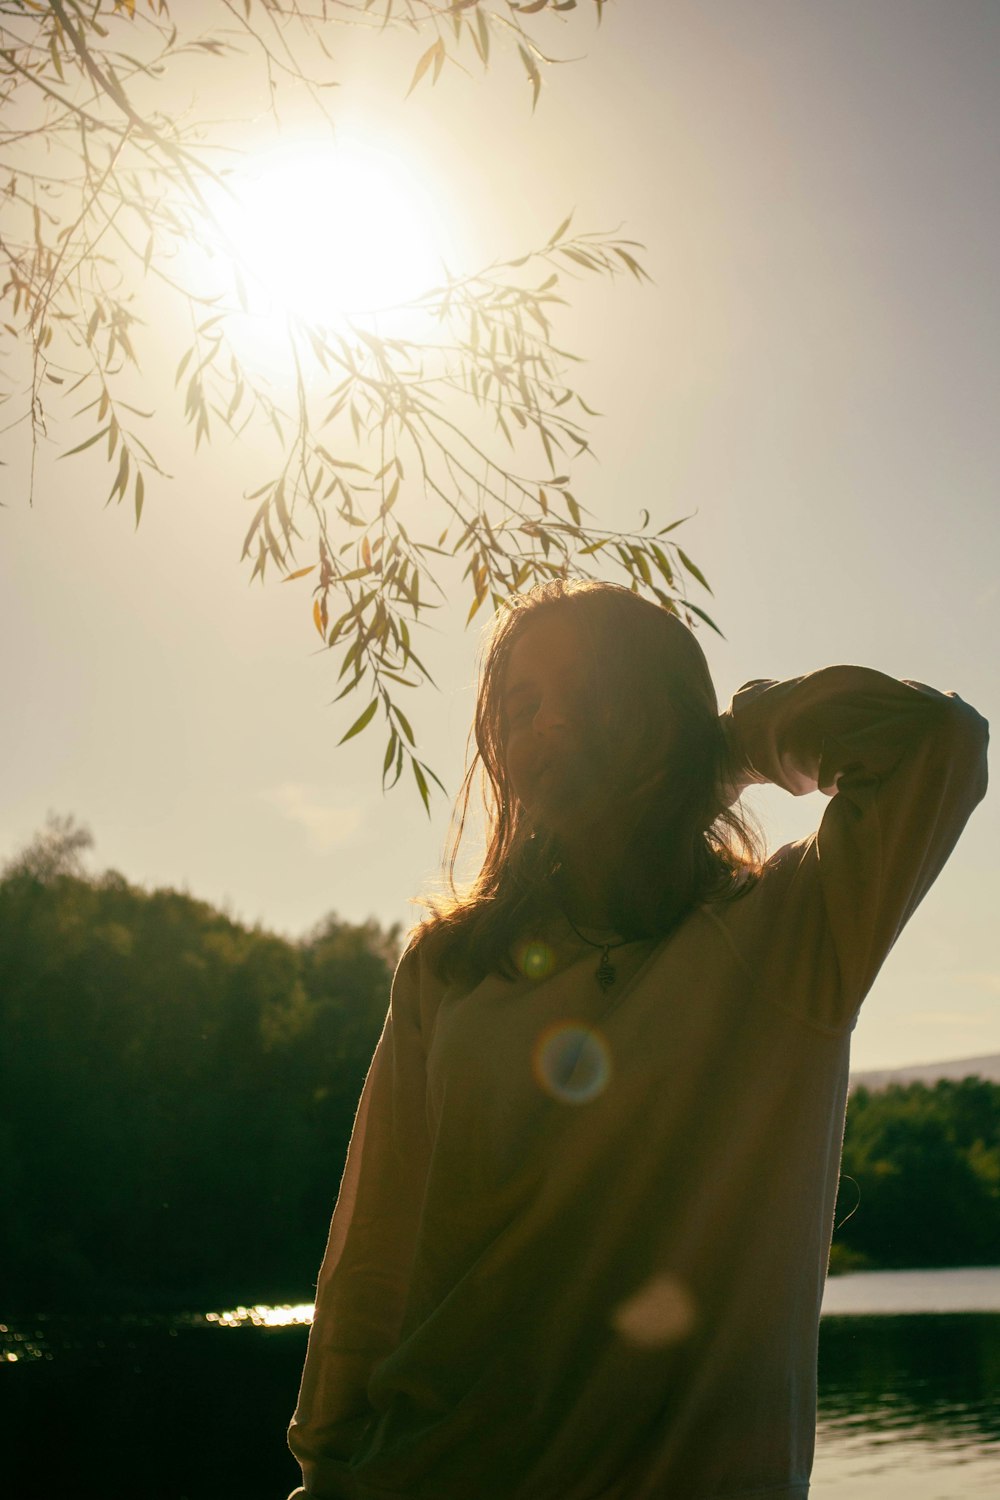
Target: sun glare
331, 231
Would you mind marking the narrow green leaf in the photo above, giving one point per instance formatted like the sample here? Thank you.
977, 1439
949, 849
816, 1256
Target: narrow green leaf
707, 618
390, 498
587, 261
349, 688
484, 34
405, 723
351, 657
397, 769
87, 444
422, 786
693, 570
642, 563
662, 563
390, 751
664, 529
361, 722
633, 265
560, 232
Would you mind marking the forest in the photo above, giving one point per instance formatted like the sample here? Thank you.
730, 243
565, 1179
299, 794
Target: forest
179, 1088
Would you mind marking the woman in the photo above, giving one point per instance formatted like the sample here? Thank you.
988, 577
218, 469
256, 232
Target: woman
583, 1229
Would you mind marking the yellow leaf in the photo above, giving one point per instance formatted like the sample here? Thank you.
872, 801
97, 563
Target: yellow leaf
424, 64
531, 68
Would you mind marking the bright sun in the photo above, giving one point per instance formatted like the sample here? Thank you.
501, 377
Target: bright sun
333, 230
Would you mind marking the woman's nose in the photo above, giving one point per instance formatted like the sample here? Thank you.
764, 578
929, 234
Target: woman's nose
550, 718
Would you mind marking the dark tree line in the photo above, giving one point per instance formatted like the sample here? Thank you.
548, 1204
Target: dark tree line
924, 1170
178, 1091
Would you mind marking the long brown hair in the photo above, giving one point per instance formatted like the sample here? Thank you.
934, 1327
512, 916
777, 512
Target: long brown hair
665, 762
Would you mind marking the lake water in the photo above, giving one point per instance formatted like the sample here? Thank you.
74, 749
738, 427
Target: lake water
195, 1407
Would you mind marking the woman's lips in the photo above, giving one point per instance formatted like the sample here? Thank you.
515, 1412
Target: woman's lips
557, 774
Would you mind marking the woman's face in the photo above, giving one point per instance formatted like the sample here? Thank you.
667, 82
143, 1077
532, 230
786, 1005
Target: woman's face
548, 720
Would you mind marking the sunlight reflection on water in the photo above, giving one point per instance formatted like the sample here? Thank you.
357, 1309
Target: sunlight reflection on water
908, 1404
867, 1459
263, 1316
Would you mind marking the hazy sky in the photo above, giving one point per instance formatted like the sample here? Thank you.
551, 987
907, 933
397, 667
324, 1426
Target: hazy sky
814, 373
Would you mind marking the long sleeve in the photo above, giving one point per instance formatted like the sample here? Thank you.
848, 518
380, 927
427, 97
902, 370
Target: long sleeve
364, 1278
904, 765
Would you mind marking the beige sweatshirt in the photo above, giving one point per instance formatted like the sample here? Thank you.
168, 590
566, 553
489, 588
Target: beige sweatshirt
581, 1237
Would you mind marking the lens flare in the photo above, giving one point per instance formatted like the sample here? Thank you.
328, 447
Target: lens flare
536, 960
661, 1312
572, 1062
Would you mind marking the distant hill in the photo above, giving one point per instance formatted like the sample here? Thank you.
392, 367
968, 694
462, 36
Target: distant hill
963, 1067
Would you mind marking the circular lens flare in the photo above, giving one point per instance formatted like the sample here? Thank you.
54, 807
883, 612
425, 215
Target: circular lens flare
536, 960
660, 1312
572, 1062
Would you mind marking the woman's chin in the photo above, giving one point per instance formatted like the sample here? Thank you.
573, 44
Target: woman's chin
571, 820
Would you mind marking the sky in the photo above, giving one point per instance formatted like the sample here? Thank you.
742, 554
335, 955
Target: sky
812, 377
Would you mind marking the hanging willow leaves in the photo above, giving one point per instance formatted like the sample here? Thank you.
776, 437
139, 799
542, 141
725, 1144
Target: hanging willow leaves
412, 475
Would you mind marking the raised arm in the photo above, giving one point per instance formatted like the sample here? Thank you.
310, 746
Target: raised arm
364, 1278
904, 764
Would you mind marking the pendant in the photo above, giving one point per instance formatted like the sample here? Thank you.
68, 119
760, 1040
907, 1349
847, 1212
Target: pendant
605, 972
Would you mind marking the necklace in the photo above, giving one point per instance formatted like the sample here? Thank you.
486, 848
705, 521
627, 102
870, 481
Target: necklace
605, 971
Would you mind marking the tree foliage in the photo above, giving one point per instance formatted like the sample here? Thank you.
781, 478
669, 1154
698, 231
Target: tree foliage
396, 460
921, 1176
179, 1091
